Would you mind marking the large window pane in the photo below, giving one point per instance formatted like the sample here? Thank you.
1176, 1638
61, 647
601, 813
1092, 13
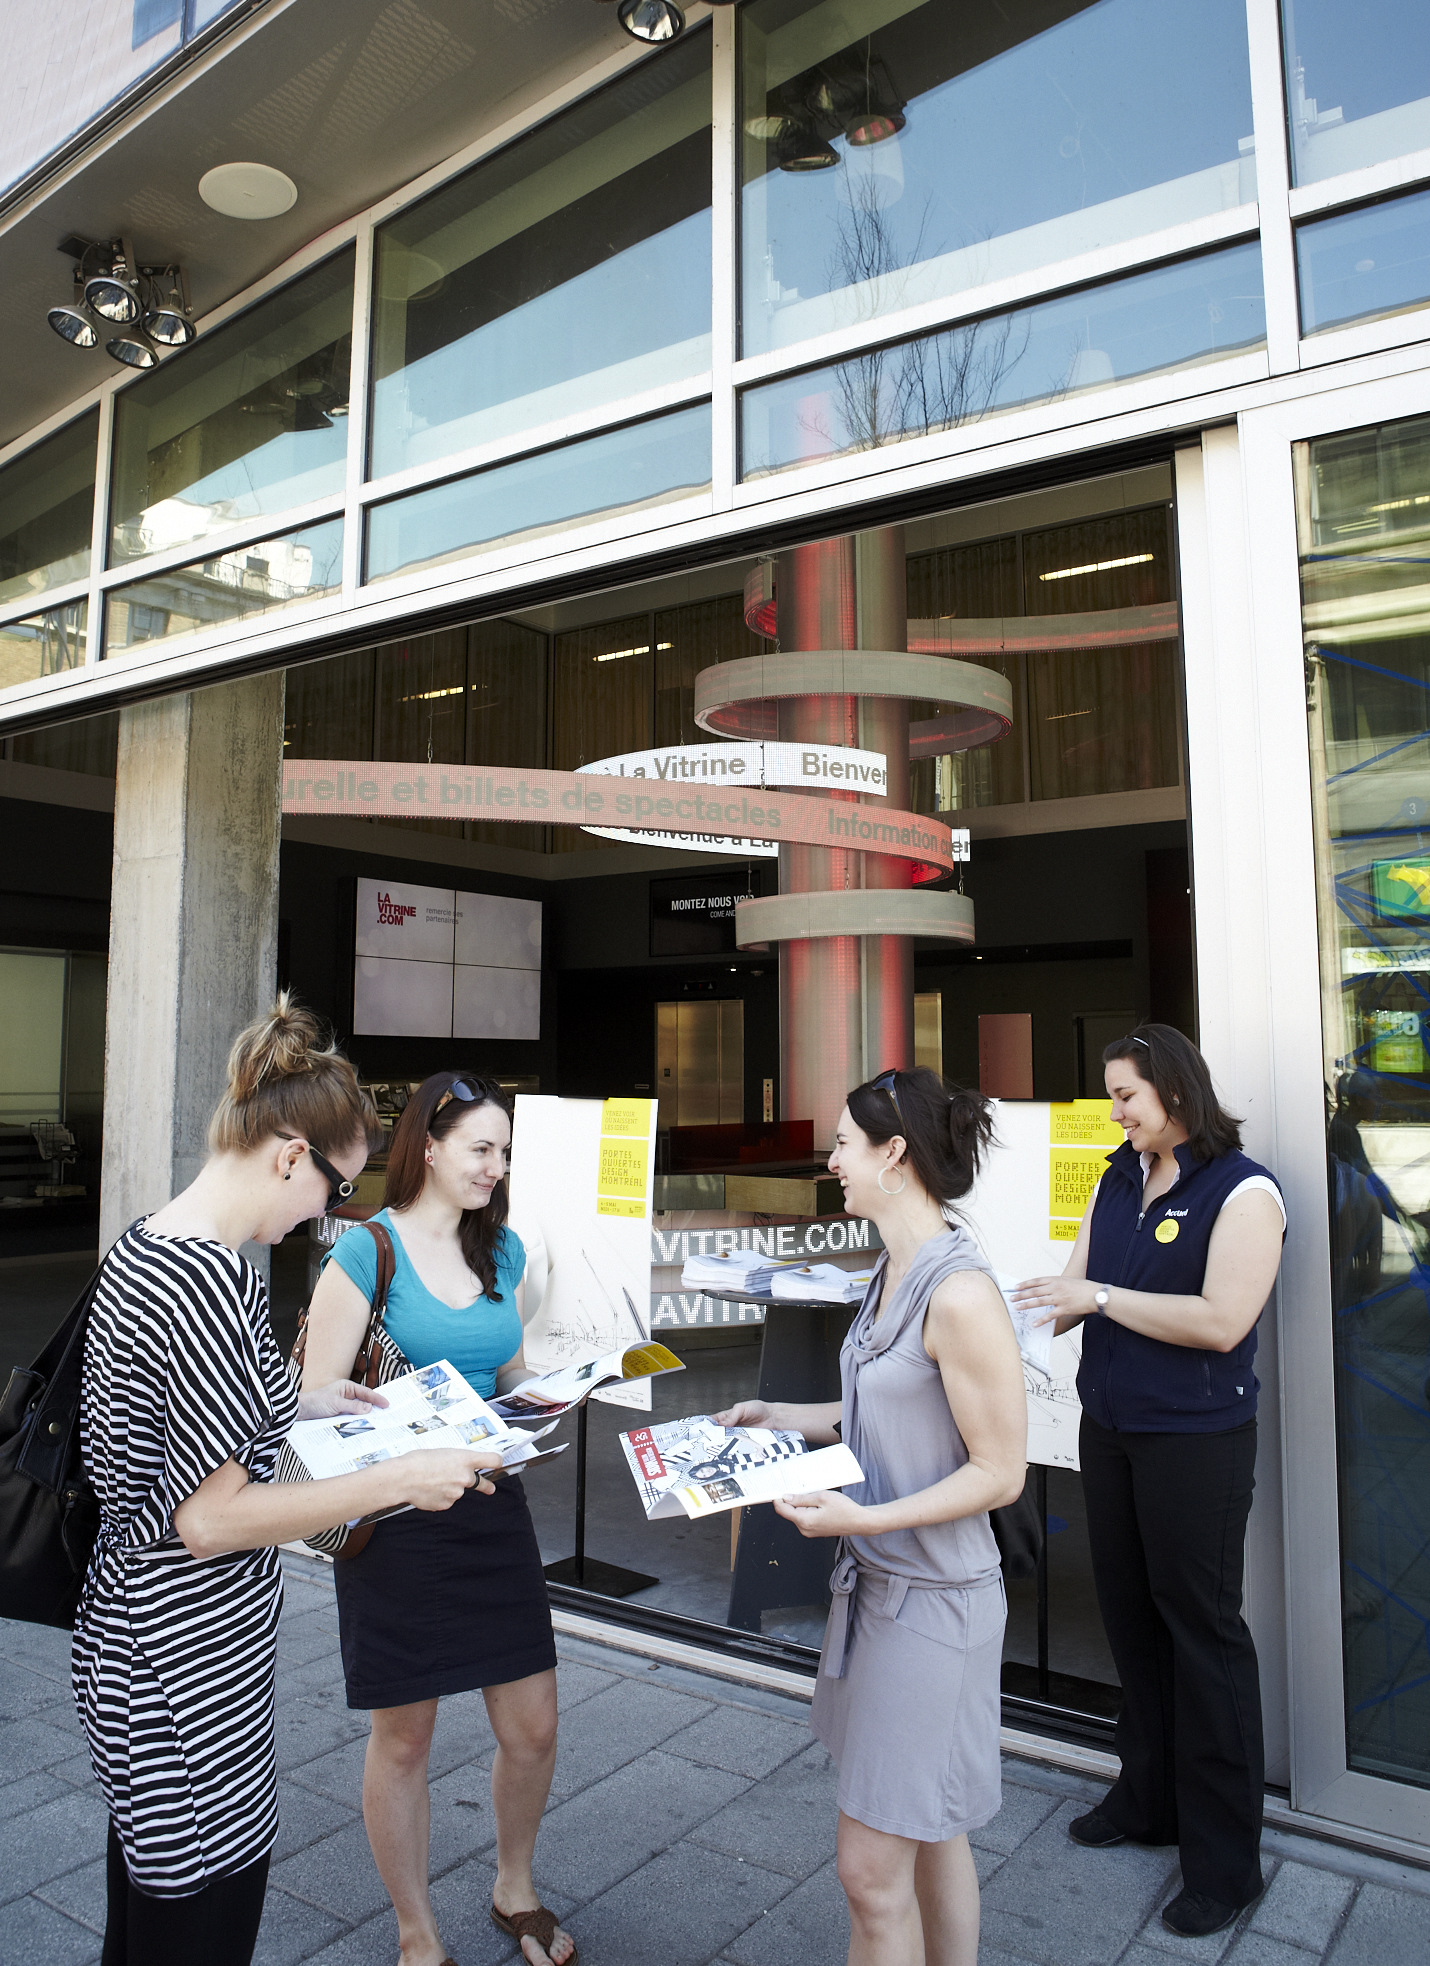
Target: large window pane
42, 644
258, 579
1373, 261
1197, 311
1357, 83
602, 692
619, 471
47, 512
1364, 511
506, 713
570, 270
252, 419
894, 154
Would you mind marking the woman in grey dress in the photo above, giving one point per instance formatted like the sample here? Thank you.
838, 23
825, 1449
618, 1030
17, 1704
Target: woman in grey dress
907, 1699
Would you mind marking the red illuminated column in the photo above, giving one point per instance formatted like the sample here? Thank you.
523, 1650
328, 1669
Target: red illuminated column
846, 1002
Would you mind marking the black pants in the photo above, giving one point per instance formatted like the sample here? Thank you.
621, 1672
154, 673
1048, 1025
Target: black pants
217, 1926
1166, 1518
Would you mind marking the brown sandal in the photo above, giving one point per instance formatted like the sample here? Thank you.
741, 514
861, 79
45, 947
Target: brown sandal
541, 1925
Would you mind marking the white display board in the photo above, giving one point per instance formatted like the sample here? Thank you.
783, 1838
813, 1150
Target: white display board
432, 962
1045, 1158
582, 1176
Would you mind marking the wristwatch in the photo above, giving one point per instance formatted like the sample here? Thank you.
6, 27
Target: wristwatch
1100, 1299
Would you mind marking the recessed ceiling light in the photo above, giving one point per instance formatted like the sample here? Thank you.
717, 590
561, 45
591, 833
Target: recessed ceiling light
248, 191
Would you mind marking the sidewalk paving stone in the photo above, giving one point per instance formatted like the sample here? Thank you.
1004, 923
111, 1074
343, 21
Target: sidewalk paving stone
1384, 1928
1304, 1906
786, 1823
693, 1824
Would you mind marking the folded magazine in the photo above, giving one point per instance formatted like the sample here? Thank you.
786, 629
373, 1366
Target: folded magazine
556, 1392
699, 1468
432, 1406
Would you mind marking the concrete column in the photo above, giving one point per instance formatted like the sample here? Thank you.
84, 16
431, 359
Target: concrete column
193, 936
846, 1002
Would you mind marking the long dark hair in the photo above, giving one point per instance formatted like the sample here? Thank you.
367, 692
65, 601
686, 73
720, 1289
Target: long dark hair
1177, 1072
947, 1127
480, 1229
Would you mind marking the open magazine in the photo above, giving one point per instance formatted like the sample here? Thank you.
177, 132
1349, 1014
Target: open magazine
697, 1467
432, 1406
555, 1393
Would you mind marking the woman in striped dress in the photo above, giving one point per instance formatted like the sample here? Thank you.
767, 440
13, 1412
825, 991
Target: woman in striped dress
184, 1405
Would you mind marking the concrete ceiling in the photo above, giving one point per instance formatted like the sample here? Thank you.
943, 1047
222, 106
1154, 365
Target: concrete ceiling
352, 98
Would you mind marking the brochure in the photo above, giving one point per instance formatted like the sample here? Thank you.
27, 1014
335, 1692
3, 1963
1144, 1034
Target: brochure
1035, 1340
432, 1406
555, 1393
700, 1468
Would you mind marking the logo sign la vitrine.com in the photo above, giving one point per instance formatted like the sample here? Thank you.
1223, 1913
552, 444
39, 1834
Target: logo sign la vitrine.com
392, 914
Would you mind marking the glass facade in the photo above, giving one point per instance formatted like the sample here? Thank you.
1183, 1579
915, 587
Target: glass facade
47, 512
1196, 311
1372, 261
618, 472
1357, 83
1364, 512
43, 644
569, 271
898, 154
249, 421
255, 580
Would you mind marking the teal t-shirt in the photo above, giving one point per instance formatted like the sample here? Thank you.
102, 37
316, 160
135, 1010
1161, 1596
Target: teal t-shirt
478, 1339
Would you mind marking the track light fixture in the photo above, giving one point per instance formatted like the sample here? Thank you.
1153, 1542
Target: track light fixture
850, 95
655, 21
149, 305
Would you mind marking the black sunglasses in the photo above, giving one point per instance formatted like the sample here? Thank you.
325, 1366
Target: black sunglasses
340, 1189
458, 1089
885, 1083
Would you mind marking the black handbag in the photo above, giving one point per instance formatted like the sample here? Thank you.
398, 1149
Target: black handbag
49, 1513
1019, 1532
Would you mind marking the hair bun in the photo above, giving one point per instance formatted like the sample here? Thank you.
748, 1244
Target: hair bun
278, 1046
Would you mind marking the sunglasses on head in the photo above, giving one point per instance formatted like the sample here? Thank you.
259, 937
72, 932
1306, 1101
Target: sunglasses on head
460, 1089
885, 1083
340, 1189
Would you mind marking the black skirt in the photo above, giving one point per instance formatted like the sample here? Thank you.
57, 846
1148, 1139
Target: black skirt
445, 1602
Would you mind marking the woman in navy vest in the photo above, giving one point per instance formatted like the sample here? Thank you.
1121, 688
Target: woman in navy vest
1174, 1261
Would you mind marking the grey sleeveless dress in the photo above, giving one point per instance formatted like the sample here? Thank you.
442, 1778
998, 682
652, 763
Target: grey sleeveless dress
907, 1698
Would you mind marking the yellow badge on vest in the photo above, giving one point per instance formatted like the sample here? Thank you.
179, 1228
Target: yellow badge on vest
1167, 1231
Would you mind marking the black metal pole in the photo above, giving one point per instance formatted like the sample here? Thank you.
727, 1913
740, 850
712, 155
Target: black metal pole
578, 1563
1044, 1677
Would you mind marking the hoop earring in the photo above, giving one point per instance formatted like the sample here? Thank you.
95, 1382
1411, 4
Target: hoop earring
891, 1192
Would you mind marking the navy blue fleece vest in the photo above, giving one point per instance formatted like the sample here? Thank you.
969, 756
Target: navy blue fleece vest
1144, 1385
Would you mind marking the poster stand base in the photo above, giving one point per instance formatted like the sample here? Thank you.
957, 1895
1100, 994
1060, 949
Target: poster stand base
588, 1573
605, 1579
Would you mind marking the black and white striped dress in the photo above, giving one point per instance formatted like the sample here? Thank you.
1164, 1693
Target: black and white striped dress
173, 1657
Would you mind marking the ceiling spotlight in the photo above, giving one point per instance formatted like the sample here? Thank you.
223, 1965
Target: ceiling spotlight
875, 125
799, 148
73, 325
166, 317
134, 349
111, 291
656, 21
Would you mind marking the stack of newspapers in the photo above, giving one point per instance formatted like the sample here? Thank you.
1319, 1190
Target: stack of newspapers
741, 1272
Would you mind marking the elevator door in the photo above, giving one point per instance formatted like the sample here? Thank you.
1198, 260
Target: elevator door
700, 1062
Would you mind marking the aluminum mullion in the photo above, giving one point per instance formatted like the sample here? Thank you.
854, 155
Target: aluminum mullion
213, 546
99, 531
42, 603
553, 435
724, 237
1001, 296
359, 408
1273, 185
1370, 181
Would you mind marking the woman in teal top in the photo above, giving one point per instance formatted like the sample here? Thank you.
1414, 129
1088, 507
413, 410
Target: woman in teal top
423, 1614
479, 1339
